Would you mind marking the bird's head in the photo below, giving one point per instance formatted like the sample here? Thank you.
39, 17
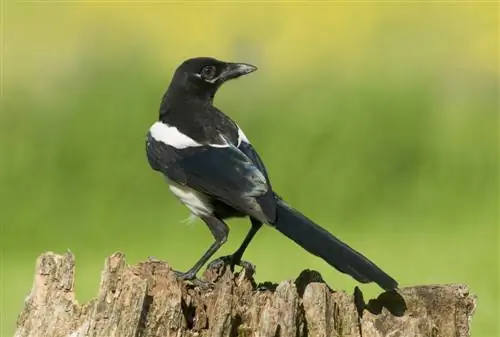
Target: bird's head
204, 75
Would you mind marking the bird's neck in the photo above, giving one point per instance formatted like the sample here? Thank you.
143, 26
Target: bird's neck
180, 100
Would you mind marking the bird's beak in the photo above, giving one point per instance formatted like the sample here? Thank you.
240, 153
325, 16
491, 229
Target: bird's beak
234, 70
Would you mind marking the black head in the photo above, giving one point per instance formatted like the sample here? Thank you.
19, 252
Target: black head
202, 76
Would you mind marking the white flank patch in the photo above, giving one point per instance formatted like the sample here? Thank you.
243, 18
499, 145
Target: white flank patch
189, 220
197, 202
170, 135
242, 137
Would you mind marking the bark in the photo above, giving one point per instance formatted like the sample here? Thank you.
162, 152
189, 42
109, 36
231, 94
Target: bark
147, 300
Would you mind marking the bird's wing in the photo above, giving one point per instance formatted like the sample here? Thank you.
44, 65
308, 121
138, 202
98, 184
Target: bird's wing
266, 200
222, 172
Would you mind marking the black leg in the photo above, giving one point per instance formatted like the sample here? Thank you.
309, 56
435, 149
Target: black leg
235, 258
220, 231
251, 233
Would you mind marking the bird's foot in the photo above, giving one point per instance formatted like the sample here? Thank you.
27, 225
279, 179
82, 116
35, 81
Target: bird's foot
231, 261
191, 277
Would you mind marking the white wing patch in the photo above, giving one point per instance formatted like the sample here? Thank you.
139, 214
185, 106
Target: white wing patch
170, 135
242, 137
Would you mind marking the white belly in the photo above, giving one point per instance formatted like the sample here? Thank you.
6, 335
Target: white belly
198, 203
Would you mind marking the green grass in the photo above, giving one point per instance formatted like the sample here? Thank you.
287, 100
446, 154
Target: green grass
407, 174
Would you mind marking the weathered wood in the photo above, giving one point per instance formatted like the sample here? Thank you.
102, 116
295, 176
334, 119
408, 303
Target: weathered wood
147, 300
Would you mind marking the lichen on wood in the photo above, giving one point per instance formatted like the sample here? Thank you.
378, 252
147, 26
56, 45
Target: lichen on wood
146, 300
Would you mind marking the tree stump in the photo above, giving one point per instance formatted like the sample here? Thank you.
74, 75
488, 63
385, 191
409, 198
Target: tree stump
147, 300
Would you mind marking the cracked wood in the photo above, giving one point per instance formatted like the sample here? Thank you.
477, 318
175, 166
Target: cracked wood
146, 300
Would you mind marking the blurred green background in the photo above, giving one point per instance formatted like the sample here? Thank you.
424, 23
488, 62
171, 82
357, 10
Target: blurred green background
379, 121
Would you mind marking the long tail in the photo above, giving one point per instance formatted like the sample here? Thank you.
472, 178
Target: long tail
321, 243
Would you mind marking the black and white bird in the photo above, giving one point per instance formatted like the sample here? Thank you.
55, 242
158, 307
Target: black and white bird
211, 166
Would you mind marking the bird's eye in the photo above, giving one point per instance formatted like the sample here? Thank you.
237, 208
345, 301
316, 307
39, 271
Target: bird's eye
208, 72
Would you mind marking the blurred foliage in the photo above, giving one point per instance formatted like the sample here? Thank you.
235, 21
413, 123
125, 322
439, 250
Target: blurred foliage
380, 122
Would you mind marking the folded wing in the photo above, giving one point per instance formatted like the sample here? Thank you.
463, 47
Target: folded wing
223, 173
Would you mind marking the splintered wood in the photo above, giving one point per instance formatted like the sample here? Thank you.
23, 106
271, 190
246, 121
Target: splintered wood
147, 300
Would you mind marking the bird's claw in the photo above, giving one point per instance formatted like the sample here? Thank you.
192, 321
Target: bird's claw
229, 260
219, 263
187, 276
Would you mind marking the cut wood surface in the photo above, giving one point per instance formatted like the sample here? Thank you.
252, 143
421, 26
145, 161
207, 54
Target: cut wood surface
146, 300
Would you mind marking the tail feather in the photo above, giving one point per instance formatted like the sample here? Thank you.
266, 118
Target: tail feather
321, 243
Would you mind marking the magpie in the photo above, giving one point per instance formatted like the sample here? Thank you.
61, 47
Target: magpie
212, 167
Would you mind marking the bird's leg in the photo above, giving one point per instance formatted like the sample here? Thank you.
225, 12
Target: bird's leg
220, 231
235, 258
